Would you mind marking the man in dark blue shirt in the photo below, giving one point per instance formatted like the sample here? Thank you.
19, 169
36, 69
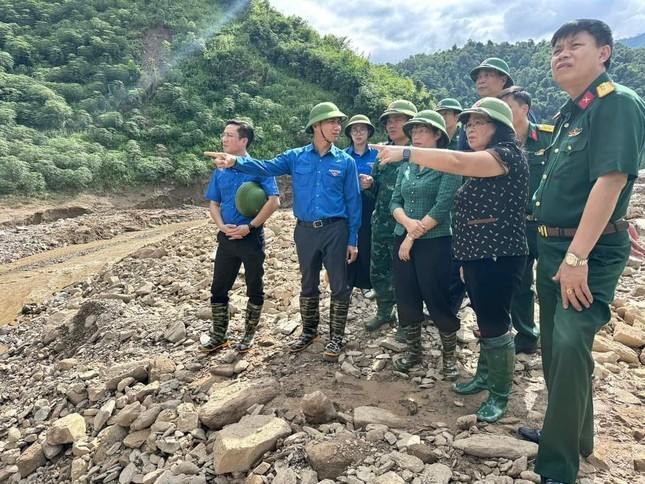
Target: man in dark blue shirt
327, 204
240, 240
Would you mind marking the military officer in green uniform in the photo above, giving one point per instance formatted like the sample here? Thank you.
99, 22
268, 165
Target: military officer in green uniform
535, 138
450, 109
583, 242
384, 179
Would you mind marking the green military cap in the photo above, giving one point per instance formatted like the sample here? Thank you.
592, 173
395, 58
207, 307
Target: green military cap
360, 119
428, 117
399, 107
321, 112
449, 103
250, 198
496, 64
491, 107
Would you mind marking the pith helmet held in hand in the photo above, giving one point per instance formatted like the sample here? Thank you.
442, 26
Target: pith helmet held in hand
449, 103
491, 107
360, 119
321, 112
431, 118
250, 198
496, 64
399, 107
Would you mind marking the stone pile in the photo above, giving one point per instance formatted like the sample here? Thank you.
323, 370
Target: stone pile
105, 385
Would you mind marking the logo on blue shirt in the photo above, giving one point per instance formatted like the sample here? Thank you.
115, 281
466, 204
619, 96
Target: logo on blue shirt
335, 172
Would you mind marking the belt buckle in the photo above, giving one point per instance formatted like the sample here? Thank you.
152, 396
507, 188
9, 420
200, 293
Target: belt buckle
317, 224
542, 231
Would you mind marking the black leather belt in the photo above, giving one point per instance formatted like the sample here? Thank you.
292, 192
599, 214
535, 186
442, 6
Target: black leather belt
319, 223
611, 228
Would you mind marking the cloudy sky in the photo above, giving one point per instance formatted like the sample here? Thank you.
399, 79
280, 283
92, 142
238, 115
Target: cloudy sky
391, 30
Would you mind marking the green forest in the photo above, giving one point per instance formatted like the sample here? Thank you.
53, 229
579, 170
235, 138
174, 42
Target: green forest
446, 73
101, 94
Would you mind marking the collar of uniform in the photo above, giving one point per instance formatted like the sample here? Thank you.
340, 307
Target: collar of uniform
334, 150
590, 94
533, 131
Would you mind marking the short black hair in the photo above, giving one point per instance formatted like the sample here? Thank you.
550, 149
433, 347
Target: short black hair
244, 129
502, 134
521, 96
598, 29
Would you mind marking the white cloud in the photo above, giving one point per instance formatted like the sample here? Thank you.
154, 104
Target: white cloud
389, 31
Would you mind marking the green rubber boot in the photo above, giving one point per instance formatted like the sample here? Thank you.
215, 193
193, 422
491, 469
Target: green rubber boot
449, 345
384, 315
310, 314
412, 356
501, 363
253, 312
218, 340
478, 383
338, 310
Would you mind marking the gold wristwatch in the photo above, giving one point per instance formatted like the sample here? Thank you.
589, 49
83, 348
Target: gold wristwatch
574, 261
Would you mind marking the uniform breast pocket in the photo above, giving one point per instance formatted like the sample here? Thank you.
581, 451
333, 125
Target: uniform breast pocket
576, 153
304, 176
334, 180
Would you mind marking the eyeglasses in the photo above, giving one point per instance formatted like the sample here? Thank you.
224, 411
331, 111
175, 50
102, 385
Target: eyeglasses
227, 135
358, 130
476, 124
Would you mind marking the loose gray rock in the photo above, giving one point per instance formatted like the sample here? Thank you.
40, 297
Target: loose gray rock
318, 408
436, 474
67, 430
496, 446
375, 415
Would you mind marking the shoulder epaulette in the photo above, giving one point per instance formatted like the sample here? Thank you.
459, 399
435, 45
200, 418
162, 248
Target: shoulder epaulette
556, 115
548, 128
605, 88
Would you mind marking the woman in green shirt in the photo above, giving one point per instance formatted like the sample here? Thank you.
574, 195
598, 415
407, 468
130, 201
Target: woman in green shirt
421, 205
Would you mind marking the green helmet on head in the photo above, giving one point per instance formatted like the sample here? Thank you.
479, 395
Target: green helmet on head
399, 107
428, 117
360, 119
449, 103
321, 112
250, 198
496, 64
493, 108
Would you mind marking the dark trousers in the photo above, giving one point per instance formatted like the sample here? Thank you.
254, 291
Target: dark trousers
523, 309
358, 272
491, 286
424, 278
457, 286
231, 254
326, 246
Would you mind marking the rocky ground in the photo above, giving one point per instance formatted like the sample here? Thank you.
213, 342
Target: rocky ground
102, 382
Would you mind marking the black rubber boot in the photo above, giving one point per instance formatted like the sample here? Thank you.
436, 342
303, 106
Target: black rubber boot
384, 315
218, 340
338, 310
310, 314
412, 356
449, 344
253, 312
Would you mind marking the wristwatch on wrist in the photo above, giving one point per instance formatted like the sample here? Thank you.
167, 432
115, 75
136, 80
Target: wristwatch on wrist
574, 261
252, 228
406, 154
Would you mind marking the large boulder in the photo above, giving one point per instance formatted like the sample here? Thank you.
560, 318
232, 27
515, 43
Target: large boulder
227, 405
239, 445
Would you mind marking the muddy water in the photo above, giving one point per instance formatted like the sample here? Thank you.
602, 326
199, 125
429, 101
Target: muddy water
34, 279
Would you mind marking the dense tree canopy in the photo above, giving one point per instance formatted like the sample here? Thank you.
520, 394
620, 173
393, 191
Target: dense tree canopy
447, 73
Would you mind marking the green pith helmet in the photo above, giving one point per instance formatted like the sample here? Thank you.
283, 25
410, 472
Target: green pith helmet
359, 119
428, 117
449, 103
399, 107
321, 112
491, 107
250, 198
496, 64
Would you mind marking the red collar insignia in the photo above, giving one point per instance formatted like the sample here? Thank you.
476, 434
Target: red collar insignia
586, 100
534, 134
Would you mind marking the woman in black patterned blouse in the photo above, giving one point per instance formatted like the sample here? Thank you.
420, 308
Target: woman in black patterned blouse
489, 238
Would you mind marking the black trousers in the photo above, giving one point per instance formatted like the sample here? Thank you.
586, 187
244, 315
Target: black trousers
492, 285
424, 278
231, 254
358, 272
326, 246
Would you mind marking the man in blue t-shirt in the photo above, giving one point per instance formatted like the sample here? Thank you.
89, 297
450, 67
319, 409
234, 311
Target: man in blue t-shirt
240, 240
